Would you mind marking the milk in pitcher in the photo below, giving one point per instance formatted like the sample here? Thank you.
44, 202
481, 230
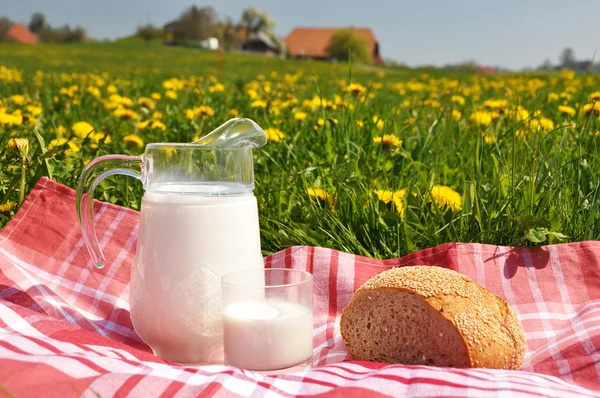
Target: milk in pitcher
169, 287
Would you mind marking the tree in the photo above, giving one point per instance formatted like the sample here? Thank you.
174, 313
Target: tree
149, 32
546, 65
567, 57
5, 25
228, 34
346, 43
195, 24
64, 34
255, 21
37, 22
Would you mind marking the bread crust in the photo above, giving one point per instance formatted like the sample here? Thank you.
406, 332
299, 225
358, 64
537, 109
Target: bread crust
488, 326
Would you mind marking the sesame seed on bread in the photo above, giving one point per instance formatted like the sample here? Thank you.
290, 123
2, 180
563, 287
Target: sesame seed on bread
433, 316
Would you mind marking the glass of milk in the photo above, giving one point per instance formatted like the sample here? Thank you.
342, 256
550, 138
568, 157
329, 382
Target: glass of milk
268, 319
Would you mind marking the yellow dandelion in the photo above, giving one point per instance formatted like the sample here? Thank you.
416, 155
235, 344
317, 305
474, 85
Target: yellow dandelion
171, 94
456, 115
81, 129
125, 114
142, 125
595, 96
217, 88
18, 99
566, 110
158, 125
481, 118
204, 110
111, 89
397, 198
457, 99
156, 96
234, 112
157, 115
300, 116
360, 123
19, 144
445, 197
94, 91
61, 131
11, 119
146, 102
8, 206
134, 139
320, 194
589, 108
274, 134
258, 104
552, 97
489, 139
355, 89
389, 139
378, 122
57, 142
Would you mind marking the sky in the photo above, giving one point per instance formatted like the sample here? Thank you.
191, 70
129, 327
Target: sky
514, 34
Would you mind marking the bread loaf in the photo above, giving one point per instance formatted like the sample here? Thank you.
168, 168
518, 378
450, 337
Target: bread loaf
426, 315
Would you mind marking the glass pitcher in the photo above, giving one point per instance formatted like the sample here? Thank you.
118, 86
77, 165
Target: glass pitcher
198, 222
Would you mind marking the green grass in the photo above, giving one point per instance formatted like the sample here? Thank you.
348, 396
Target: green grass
518, 185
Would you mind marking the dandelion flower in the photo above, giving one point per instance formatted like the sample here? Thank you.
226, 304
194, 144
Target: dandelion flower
320, 194
595, 96
300, 116
81, 129
566, 110
158, 125
204, 110
397, 198
57, 142
457, 99
481, 118
588, 108
134, 139
171, 94
355, 88
258, 104
18, 99
156, 96
61, 131
274, 134
142, 125
456, 115
445, 197
378, 122
388, 139
11, 120
146, 102
8, 206
157, 115
217, 88
126, 114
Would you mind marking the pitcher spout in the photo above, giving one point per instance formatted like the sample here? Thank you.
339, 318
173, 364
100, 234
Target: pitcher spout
235, 133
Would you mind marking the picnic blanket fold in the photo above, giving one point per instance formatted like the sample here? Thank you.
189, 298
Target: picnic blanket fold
65, 326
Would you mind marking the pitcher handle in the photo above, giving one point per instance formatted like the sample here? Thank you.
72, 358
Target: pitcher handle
95, 171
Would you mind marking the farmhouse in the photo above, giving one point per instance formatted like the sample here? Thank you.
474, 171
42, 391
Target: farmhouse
261, 43
20, 34
312, 42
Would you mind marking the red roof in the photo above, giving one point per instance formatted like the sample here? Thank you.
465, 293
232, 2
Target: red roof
312, 42
21, 34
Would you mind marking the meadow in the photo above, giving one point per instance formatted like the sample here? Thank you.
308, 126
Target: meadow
373, 162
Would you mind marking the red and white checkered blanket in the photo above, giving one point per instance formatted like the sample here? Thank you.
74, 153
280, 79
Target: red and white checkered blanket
65, 328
